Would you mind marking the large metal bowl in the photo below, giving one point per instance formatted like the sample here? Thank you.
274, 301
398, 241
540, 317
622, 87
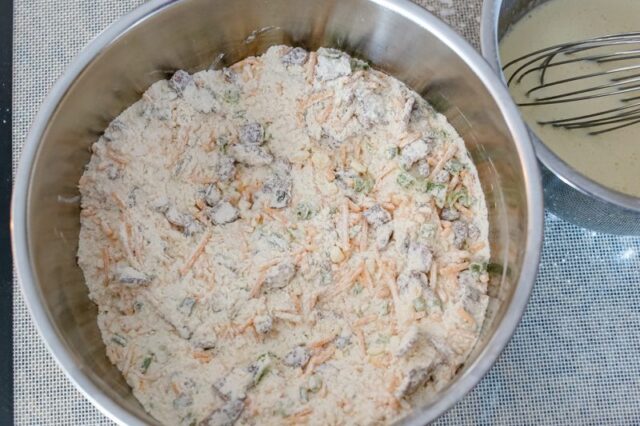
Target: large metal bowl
567, 193
162, 36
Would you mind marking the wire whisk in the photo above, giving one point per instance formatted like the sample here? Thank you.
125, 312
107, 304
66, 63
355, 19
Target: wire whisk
614, 79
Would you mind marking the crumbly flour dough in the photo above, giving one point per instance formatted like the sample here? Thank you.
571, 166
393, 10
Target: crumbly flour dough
294, 239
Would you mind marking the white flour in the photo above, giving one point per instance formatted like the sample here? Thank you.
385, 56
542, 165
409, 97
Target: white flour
296, 239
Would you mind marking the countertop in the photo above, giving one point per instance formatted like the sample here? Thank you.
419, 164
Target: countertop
6, 272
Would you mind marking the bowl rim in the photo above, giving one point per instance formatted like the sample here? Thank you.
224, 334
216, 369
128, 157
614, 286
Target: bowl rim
405, 8
560, 168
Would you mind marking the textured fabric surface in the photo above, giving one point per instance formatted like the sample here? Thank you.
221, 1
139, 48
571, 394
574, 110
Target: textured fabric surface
575, 358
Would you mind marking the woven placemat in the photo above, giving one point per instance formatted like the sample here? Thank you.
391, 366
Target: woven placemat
575, 358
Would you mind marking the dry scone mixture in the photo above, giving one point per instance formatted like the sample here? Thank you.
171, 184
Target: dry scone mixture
294, 239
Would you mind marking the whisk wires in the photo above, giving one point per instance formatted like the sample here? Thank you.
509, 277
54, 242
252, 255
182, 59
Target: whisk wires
620, 82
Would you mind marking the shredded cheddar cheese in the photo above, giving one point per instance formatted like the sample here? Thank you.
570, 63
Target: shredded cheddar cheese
295, 239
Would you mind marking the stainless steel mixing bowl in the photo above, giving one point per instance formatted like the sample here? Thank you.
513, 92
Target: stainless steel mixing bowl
567, 193
162, 36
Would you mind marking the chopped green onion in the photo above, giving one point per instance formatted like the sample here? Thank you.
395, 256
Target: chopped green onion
261, 367
428, 231
405, 180
314, 383
384, 308
332, 53
146, 363
478, 268
357, 289
454, 166
304, 211
432, 187
291, 235
383, 339
222, 141
137, 306
231, 96
439, 193
118, 339
359, 64
186, 306
462, 196
392, 152
422, 185
304, 394
419, 304
363, 184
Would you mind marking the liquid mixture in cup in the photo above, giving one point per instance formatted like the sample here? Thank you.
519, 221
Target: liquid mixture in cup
613, 158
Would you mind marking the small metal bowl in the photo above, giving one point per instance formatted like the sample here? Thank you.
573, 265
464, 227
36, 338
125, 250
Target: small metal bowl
161, 36
567, 193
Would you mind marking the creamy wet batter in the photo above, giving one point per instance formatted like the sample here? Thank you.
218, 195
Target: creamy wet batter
612, 159
295, 239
